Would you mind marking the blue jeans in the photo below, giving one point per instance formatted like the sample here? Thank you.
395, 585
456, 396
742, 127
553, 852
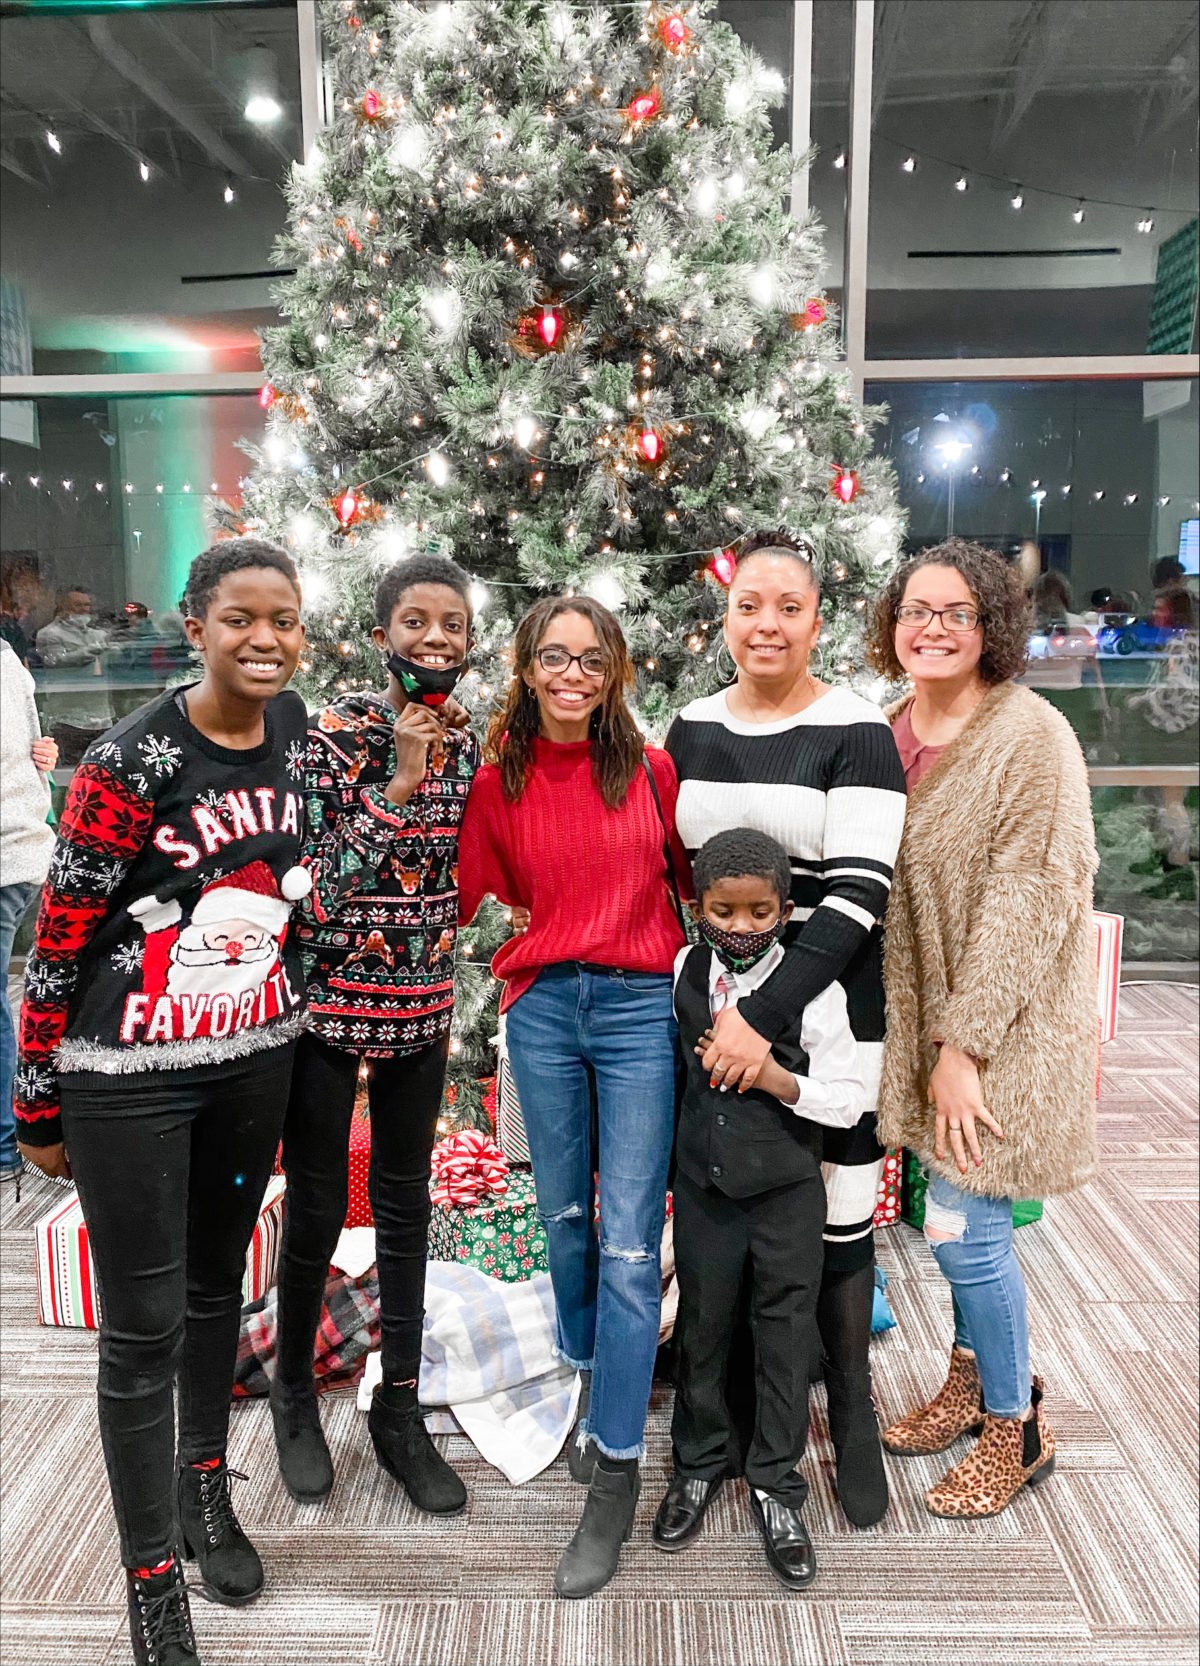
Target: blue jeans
987, 1288
14, 900
618, 1029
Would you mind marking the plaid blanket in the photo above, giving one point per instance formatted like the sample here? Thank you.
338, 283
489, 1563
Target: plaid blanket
348, 1331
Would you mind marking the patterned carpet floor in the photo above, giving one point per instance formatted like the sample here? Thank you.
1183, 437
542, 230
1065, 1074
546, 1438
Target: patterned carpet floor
1098, 1567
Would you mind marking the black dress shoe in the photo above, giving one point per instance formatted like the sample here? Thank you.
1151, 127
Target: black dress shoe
681, 1513
789, 1549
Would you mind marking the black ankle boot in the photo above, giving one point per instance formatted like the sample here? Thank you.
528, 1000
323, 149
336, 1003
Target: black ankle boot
854, 1429
591, 1558
404, 1449
160, 1622
229, 1564
581, 1448
304, 1461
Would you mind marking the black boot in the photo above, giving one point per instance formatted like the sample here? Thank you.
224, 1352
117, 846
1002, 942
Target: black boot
404, 1449
681, 1513
229, 1564
854, 1429
591, 1558
581, 1448
160, 1622
304, 1461
789, 1549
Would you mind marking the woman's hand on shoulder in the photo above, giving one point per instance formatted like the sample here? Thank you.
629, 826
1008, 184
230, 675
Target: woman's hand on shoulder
956, 1094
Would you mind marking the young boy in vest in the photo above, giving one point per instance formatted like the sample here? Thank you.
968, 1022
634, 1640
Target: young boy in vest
748, 1187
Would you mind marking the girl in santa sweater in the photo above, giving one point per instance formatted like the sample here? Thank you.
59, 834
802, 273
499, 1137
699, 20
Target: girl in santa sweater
163, 999
572, 818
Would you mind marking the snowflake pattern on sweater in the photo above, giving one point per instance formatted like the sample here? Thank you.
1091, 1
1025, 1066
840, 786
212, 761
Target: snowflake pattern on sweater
379, 928
162, 938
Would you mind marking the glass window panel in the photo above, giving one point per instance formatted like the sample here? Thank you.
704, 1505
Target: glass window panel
832, 41
1028, 165
116, 230
1092, 486
99, 522
1145, 838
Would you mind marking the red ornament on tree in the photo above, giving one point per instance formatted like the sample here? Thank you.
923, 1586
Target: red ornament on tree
723, 566
347, 506
673, 31
266, 396
845, 485
650, 445
644, 106
550, 325
372, 104
814, 313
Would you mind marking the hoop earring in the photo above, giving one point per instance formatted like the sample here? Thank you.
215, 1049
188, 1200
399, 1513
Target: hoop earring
729, 676
820, 671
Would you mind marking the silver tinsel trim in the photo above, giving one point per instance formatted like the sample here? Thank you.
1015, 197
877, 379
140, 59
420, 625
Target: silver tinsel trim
175, 1055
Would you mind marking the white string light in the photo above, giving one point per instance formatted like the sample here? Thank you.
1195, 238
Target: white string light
53, 140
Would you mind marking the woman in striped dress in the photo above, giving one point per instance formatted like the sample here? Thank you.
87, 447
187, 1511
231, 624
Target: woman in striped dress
817, 769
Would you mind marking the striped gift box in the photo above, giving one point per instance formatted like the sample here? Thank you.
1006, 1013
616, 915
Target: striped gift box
1109, 928
66, 1279
510, 1124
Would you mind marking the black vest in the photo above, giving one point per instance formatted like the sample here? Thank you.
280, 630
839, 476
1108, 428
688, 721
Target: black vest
740, 1143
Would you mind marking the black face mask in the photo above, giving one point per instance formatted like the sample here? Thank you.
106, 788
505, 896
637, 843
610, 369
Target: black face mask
426, 685
738, 951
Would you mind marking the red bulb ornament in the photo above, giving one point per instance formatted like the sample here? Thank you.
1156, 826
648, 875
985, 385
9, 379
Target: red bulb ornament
814, 313
549, 326
673, 31
347, 506
650, 445
266, 396
372, 104
644, 106
845, 485
723, 566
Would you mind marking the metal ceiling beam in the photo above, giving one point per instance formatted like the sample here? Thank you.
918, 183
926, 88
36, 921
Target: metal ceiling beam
10, 164
210, 141
1041, 35
889, 30
209, 76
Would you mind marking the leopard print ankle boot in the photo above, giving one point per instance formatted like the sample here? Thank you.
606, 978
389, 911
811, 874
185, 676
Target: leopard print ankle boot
1008, 1454
956, 1409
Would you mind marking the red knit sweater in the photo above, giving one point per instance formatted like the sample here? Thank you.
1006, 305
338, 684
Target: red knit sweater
593, 879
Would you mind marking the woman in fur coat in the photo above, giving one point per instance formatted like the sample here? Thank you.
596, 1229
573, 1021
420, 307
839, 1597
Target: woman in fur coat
990, 1062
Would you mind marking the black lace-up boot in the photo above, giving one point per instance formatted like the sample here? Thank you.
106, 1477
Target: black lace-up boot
160, 1622
229, 1564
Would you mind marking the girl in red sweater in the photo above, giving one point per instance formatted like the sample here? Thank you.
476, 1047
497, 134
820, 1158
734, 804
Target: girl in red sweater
568, 819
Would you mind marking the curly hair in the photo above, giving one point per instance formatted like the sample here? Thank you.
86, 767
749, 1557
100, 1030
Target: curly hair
1004, 609
617, 744
419, 569
740, 853
232, 555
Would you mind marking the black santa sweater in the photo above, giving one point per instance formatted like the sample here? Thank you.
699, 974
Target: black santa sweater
162, 939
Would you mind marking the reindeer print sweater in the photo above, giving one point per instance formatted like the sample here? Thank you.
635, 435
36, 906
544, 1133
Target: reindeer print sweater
377, 932
163, 939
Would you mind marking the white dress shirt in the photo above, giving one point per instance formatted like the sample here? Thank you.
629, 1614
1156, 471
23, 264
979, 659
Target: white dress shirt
834, 1092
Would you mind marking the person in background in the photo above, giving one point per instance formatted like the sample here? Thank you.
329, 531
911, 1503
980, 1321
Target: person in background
26, 842
748, 1191
73, 651
387, 780
1052, 602
816, 768
163, 999
573, 817
10, 623
990, 973
73, 636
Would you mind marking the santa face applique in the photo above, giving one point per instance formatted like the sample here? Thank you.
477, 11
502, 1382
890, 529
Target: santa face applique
223, 971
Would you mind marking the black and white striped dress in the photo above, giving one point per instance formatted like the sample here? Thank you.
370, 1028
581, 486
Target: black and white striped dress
828, 785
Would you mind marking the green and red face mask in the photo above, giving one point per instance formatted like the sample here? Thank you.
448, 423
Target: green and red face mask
425, 685
738, 951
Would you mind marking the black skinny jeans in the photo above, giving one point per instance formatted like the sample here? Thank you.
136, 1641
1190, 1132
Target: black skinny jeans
171, 1168
404, 1096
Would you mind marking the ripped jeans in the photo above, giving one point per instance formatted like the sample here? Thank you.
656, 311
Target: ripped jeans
973, 1247
579, 1025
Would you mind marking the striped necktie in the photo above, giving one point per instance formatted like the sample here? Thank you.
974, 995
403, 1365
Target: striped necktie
721, 994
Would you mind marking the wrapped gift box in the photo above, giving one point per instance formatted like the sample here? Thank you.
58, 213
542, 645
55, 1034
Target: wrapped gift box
1109, 929
510, 1124
914, 1185
887, 1199
358, 1207
483, 1213
66, 1279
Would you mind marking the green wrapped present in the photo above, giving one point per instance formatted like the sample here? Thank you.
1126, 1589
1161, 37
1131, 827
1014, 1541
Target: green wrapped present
915, 1182
484, 1212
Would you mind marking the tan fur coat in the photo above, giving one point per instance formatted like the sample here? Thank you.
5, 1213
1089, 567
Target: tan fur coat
990, 948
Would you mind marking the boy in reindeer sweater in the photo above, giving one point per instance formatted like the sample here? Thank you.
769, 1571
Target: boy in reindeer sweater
386, 783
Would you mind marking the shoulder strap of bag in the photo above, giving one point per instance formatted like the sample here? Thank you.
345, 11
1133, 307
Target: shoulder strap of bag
671, 880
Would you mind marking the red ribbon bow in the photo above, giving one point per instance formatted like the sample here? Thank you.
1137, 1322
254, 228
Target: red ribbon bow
466, 1168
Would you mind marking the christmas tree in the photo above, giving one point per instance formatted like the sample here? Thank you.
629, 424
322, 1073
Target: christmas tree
550, 316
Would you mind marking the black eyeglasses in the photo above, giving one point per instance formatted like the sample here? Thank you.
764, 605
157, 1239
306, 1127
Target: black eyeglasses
952, 618
593, 662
